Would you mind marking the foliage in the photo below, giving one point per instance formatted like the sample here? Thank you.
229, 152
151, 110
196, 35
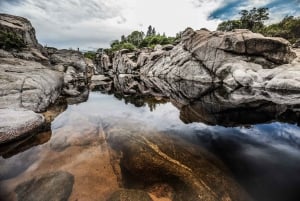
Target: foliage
138, 39
91, 55
229, 25
252, 20
9, 41
288, 28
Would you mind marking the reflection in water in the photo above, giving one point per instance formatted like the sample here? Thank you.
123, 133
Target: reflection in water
175, 141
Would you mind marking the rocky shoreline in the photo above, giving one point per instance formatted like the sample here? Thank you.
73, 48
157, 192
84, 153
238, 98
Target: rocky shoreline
228, 79
33, 78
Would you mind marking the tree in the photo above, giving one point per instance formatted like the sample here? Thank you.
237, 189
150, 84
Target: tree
149, 31
229, 25
136, 38
123, 39
254, 19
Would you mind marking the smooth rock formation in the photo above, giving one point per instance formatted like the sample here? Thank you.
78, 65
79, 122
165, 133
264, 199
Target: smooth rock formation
150, 158
32, 77
103, 64
21, 27
56, 186
16, 122
210, 104
235, 59
75, 68
28, 84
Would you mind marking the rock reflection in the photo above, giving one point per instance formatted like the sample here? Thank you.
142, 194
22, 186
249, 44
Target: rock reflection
212, 104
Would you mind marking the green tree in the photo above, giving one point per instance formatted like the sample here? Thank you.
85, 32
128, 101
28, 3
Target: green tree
136, 38
254, 19
288, 28
149, 31
229, 25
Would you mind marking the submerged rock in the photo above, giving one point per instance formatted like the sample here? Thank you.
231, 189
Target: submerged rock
56, 186
193, 173
130, 195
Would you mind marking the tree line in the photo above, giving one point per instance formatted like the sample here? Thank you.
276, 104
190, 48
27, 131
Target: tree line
138, 39
254, 20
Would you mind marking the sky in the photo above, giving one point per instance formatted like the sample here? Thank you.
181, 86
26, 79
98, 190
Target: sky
91, 24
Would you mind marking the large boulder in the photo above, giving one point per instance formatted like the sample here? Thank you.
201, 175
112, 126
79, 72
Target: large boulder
21, 27
15, 123
103, 64
75, 68
235, 59
56, 186
124, 62
28, 84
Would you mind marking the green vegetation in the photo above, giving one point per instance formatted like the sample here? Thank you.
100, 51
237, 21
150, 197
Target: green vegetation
288, 27
9, 41
252, 20
91, 55
138, 39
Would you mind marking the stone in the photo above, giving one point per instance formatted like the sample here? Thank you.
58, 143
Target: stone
147, 158
130, 195
20, 26
56, 186
18, 123
77, 69
28, 84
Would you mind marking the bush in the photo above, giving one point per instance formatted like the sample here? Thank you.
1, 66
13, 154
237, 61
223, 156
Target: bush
9, 41
90, 55
288, 28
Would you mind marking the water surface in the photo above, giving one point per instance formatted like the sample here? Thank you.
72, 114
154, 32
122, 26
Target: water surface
93, 141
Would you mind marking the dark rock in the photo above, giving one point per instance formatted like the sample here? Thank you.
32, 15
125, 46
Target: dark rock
55, 186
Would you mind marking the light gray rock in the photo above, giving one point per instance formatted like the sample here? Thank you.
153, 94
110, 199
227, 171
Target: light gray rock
17, 123
103, 63
21, 27
124, 62
238, 58
28, 84
77, 70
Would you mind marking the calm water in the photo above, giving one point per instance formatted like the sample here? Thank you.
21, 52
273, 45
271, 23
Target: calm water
263, 158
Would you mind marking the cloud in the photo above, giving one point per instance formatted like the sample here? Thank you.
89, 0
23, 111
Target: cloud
278, 8
94, 23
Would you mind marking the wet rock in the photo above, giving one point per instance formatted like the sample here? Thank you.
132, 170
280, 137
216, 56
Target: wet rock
18, 123
55, 186
132, 195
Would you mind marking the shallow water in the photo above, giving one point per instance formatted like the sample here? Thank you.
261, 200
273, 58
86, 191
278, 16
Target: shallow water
91, 140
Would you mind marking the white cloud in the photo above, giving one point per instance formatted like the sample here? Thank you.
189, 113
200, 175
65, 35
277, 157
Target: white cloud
94, 23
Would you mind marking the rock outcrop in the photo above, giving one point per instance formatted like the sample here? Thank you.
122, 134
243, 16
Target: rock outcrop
76, 70
235, 59
31, 80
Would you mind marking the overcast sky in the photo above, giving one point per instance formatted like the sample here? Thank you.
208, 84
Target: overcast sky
91, 24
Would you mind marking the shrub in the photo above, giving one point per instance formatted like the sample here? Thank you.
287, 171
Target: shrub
10, 40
